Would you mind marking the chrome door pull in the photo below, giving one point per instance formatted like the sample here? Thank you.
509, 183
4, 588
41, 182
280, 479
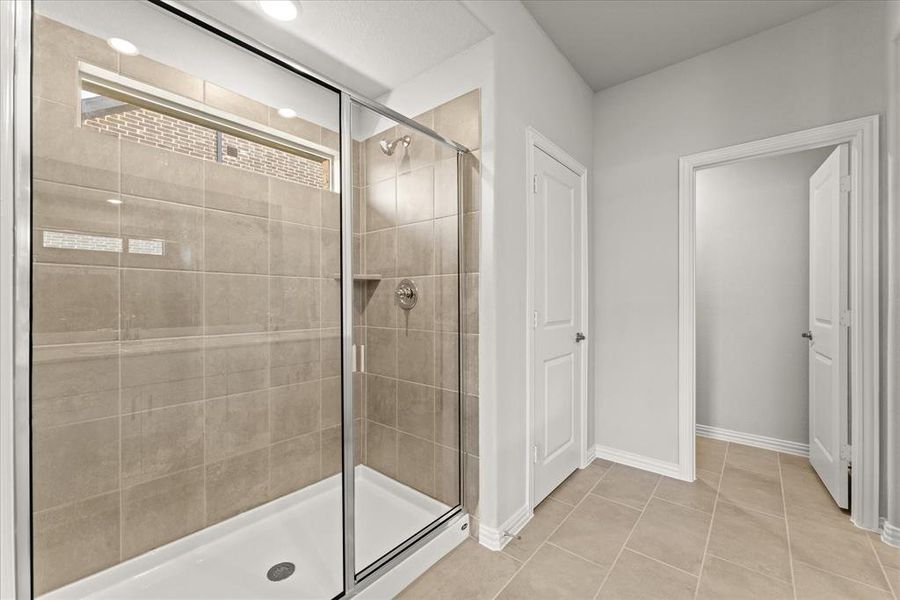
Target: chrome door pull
579, 337
807, 334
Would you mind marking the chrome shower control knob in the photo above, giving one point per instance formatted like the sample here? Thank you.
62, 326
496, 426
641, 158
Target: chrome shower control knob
407, 294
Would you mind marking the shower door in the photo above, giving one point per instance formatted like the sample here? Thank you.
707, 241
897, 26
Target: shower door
186, 374
244, 295
406, 337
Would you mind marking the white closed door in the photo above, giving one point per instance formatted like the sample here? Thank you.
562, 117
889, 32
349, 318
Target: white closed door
828, 321
556, 321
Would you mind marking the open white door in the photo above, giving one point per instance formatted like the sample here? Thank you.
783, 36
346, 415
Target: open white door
556, 369
828, 321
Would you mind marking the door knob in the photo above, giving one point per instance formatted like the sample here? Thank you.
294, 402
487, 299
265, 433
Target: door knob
807, 334
579, 337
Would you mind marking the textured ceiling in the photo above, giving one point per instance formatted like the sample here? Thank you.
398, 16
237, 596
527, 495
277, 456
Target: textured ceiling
370, 46
611, 41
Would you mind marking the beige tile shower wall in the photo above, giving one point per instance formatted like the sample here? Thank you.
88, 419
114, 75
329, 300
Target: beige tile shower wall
171, 390
410, 218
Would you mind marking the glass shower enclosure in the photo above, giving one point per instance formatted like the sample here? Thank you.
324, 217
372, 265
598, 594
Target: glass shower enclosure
245, 322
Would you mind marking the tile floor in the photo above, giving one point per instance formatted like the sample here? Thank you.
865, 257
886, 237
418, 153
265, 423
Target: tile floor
756, 524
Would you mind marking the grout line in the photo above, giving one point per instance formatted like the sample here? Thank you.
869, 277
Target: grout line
662, 562
894, 592
628, 539
569, 552
787, 529
712, 521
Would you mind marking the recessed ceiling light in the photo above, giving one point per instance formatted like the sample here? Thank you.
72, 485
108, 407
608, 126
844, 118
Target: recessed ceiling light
122, 46
282, 10
114, 200
287, 113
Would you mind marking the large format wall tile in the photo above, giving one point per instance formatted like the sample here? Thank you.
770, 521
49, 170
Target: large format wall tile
160, 511
161, 235
80, 214
236, 484
236, 424
75, 540
236, 303
74, 383
235, 190
236, 243
162, 441
66, 153
294, 202
161, 174
294, 249
161, 373
236, 364
74, 304
55, 59
76, 461
159, 304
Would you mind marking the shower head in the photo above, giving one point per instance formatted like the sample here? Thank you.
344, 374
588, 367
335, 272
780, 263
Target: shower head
389, 147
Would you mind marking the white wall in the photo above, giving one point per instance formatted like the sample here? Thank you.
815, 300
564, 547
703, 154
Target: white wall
752, 290
826, 67
534, 86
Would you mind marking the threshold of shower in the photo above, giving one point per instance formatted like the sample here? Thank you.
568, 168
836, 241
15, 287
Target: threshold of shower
288, 548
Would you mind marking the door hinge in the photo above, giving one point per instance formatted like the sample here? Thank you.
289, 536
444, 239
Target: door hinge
534, 319
533, 454
845, 183
534, 184
846, 318
846, 453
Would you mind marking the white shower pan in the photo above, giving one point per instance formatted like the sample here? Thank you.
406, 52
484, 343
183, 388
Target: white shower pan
230, 560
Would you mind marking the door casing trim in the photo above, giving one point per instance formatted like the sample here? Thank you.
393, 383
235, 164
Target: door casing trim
534, 140
862, 137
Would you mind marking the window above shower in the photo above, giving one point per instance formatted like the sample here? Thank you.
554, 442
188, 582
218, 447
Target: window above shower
137, 112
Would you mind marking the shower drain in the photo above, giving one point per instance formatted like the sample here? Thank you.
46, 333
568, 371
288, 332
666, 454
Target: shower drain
281, 571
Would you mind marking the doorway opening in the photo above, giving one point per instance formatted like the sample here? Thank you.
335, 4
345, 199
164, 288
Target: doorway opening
725, 278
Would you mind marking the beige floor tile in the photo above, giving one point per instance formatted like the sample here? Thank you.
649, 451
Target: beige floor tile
596, 529
752, 459
673, 534
555, 573
751, 539
888, 555
753, 490
470, 571
547, 517
805, 495
710, 454
627, 485
792, 459
636, 577
835, 549
699, 494
724, 580
578, 484
813, 584
894, 577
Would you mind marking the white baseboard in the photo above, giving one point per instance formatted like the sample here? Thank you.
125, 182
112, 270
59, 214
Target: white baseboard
493, 538
630, 459
890, 534
751, 439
